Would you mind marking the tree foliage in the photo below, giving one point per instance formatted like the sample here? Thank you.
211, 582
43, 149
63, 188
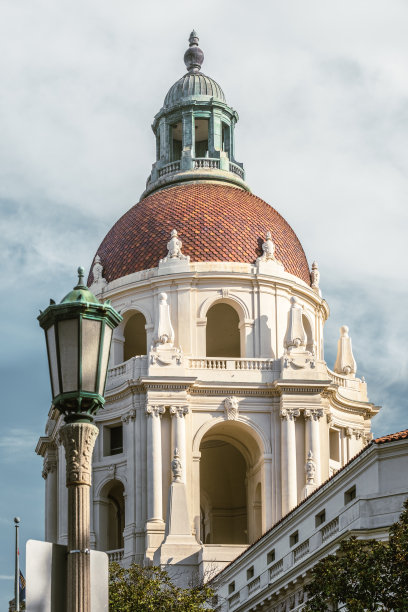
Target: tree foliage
149, 589
364, 575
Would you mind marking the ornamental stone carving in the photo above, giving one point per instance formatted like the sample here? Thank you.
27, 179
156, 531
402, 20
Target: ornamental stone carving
231, 408
289, 414
179, 411
176, 467
268, 249
129, 416
174, 249
345, 362
295, 333
313, 413
164, 329
50, 466
97, 272
315, 277
155, 411
78, 440
310, 468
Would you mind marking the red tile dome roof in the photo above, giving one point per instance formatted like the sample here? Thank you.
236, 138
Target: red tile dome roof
215, 222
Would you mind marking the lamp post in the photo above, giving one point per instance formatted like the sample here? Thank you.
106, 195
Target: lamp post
78, 334
17, 568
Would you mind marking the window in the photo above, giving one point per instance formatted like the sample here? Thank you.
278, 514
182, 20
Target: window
334, 443
201, 137
231, 587
294, 538
116, 440
176, 139
270, 557
135, 336
250, 572
320, 518
350, 495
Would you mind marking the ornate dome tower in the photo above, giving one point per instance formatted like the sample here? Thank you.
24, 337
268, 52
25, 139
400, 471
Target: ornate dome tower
221, 413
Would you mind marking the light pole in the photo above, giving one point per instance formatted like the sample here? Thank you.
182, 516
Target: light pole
17, 568
78, 334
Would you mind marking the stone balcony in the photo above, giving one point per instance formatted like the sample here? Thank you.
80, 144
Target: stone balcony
227, 370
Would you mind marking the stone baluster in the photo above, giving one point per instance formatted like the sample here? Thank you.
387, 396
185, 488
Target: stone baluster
179, 435
154, 464
288, 459
312, 442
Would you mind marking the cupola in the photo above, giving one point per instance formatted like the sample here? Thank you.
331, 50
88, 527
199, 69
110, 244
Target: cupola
194, 131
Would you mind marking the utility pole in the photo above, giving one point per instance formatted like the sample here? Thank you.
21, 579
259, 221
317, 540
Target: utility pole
17, 568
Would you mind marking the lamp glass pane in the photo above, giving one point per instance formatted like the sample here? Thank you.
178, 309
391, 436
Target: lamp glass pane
52, 359
68, 347
91, 331
105, 356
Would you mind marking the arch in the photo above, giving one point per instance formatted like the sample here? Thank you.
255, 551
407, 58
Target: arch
134, 333
233, 300
249, 427
230, 501
111, 515
223, 335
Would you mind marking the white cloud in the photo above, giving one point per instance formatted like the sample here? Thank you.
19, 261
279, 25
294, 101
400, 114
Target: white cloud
17, 444
4, 577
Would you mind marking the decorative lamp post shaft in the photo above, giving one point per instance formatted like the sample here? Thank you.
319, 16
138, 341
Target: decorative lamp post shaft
17, 568
78, 334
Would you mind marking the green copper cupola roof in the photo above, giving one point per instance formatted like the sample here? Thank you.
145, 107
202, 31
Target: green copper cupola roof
194, 130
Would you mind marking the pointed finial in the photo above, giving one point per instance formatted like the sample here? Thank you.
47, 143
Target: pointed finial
81, 272
193, 57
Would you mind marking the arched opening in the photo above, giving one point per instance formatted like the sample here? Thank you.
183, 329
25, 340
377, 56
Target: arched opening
309, 334
135, 336
222, 332
230, 501
176, 141
201, 137
112, 516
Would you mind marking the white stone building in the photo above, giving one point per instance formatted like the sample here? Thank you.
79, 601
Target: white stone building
221, 413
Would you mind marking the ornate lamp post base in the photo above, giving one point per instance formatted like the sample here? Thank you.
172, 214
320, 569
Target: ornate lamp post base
78, 440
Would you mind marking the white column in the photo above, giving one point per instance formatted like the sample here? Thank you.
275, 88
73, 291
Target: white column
179, 436
154, 464
288, 459
312, 442
128, 421
267, 492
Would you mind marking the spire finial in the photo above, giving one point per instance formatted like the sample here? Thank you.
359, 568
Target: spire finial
81, 272
193, 57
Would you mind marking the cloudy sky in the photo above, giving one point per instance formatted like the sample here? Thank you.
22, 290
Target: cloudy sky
321, 88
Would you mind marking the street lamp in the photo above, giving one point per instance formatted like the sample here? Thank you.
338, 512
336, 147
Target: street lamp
78, 334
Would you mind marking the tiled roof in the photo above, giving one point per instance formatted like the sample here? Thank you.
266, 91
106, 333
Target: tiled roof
400, 435
215, 222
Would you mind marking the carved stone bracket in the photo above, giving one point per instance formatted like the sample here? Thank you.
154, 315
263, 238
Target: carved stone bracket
310, 468
231, 408
50, 466
78, 440
129, 416
289, 414
179, 411
176, 467
313, 413
155, 411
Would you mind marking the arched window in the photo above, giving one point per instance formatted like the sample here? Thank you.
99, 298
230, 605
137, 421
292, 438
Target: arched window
135, 336
222, 332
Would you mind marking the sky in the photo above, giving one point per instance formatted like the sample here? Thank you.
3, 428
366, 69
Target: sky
321, 89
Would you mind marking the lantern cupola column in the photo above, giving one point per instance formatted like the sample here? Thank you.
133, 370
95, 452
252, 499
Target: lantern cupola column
194, 130
78, 333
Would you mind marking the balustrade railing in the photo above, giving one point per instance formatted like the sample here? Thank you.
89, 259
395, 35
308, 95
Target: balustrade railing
275, 570
206, 162
129, 370
115, 555
254, 584
236, 170
330, 529
301, 551
169, 168
214, 363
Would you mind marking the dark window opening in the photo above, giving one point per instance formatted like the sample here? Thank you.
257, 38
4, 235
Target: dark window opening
116, 440
270, 557
250, 572
294, 538
320, 518
350, 495
231, 587
201, 137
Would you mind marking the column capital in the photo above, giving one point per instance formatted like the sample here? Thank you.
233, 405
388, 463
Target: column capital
129, 416
289, 414
179, 411
50, 466
154, 410
313, 413
78, 440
